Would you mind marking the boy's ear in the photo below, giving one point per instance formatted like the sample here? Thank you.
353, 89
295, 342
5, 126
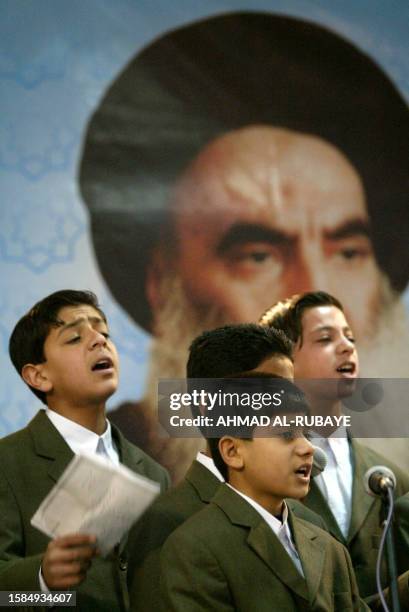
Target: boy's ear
230, 450
35, 376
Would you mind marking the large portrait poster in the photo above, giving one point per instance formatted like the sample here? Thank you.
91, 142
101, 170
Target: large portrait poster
194, 162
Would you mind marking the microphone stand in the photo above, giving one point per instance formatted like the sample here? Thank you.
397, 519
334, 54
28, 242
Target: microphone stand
387, 538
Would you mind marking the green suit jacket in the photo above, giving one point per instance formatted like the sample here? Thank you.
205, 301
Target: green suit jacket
364, 534
227, 558
31, 462
162, 518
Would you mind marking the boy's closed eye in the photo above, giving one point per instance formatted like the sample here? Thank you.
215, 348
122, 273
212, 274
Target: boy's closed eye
77, 337
324, 339
293, 433
74, 339
288, 435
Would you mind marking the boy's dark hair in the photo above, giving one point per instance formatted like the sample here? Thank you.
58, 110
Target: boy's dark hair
287, 314
230, 351
293, 402
27, 339
234, 349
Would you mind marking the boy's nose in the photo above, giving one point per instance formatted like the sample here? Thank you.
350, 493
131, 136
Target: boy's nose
305, 447
346, 346
98, 340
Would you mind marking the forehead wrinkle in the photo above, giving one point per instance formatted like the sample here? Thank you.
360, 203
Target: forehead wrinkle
256, 177
275, 191
241, 185
262, 166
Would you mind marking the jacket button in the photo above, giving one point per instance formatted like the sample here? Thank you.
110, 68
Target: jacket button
123, 564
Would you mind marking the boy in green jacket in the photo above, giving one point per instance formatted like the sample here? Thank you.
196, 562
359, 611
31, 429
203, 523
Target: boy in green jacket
63, 351
246, 550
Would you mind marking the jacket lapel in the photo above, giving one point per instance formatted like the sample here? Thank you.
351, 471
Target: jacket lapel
267, 546
49, 443
316, 501
204, 482
129, 454
361, 501
261, 539
311, 550
131, 457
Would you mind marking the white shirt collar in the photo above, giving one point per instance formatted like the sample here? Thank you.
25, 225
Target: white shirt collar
281, 529
337, 443
82, 440
208, 463
275, 524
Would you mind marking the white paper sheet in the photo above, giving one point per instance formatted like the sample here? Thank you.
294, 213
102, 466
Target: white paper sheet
95, 497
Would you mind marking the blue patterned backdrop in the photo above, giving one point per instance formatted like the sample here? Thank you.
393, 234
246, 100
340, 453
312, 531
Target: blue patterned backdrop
56, 59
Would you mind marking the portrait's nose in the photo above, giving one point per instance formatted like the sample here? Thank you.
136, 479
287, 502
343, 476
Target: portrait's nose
307, 270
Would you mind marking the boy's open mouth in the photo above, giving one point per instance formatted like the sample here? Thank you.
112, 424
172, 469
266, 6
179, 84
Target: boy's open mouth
348, 368
105, 363
304, 470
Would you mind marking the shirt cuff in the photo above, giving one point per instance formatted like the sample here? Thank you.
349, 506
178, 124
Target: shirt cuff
44, 588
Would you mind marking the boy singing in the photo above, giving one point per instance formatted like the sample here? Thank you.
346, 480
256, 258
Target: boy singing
62, 349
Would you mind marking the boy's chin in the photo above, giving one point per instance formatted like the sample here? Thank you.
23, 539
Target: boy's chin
104, 395
346, 387
109, 395
299, 492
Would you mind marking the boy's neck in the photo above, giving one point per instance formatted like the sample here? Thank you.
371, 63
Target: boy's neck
91, 417
325, 407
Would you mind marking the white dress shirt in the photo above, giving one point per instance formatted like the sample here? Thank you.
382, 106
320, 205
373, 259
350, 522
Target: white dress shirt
208, 463
281, 529
335, 482
81, 440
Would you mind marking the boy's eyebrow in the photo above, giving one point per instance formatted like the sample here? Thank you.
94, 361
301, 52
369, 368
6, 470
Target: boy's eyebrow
78, 321
322, 328
329, 328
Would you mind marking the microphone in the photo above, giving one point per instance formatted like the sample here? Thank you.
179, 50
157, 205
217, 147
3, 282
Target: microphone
319, 462
378, 479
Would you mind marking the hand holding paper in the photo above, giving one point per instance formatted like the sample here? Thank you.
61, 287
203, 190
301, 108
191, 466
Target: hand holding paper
95, 497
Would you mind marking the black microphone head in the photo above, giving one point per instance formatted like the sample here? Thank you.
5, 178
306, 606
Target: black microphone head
320, 461
378, 479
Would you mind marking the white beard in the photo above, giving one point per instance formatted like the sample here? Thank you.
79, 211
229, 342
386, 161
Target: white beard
385, 355
177, 324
